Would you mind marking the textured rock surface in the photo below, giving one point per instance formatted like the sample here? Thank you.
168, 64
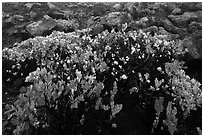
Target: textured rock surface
41, 27
118, 7
194, 27
191, 6
194, 46
177, 11
185, 18
178, 20
116, 18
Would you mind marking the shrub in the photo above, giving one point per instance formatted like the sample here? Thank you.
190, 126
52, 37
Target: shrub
81, 85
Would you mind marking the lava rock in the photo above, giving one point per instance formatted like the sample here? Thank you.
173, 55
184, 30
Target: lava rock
129, 7
99, 9
56, 13
65, 25
118, 7
29, 5
191, 6
144, 20
152, 29
177, 11
33, 15
194, 46
116, 18
194, 27
96, 30
169, 36
184, 19
92, 21
168, 26
37, 10
42, 26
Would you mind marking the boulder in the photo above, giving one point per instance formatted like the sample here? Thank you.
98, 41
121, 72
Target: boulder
66, 25
194, 46
15, 19
198, 6
133, 25
56, 13
191, 6
169, 36
137, 10
168, 26
92, 21
185, 18
29, 5
143, 22
41, 27
36, 10
116, 18
177, 11
96, 30
166, 7
59, 14
159, 9
194, 27
129, 7
33, 15
152, 29
118, 7
100, 8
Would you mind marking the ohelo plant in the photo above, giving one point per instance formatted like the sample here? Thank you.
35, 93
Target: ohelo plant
81, 85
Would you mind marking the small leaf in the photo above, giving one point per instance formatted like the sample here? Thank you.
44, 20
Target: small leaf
74, 105
80, 98
40, 101
104, 107
97, 89
98, 103
133, 89
116, 109
159, 105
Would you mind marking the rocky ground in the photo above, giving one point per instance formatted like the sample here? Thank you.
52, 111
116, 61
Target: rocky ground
23, 20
